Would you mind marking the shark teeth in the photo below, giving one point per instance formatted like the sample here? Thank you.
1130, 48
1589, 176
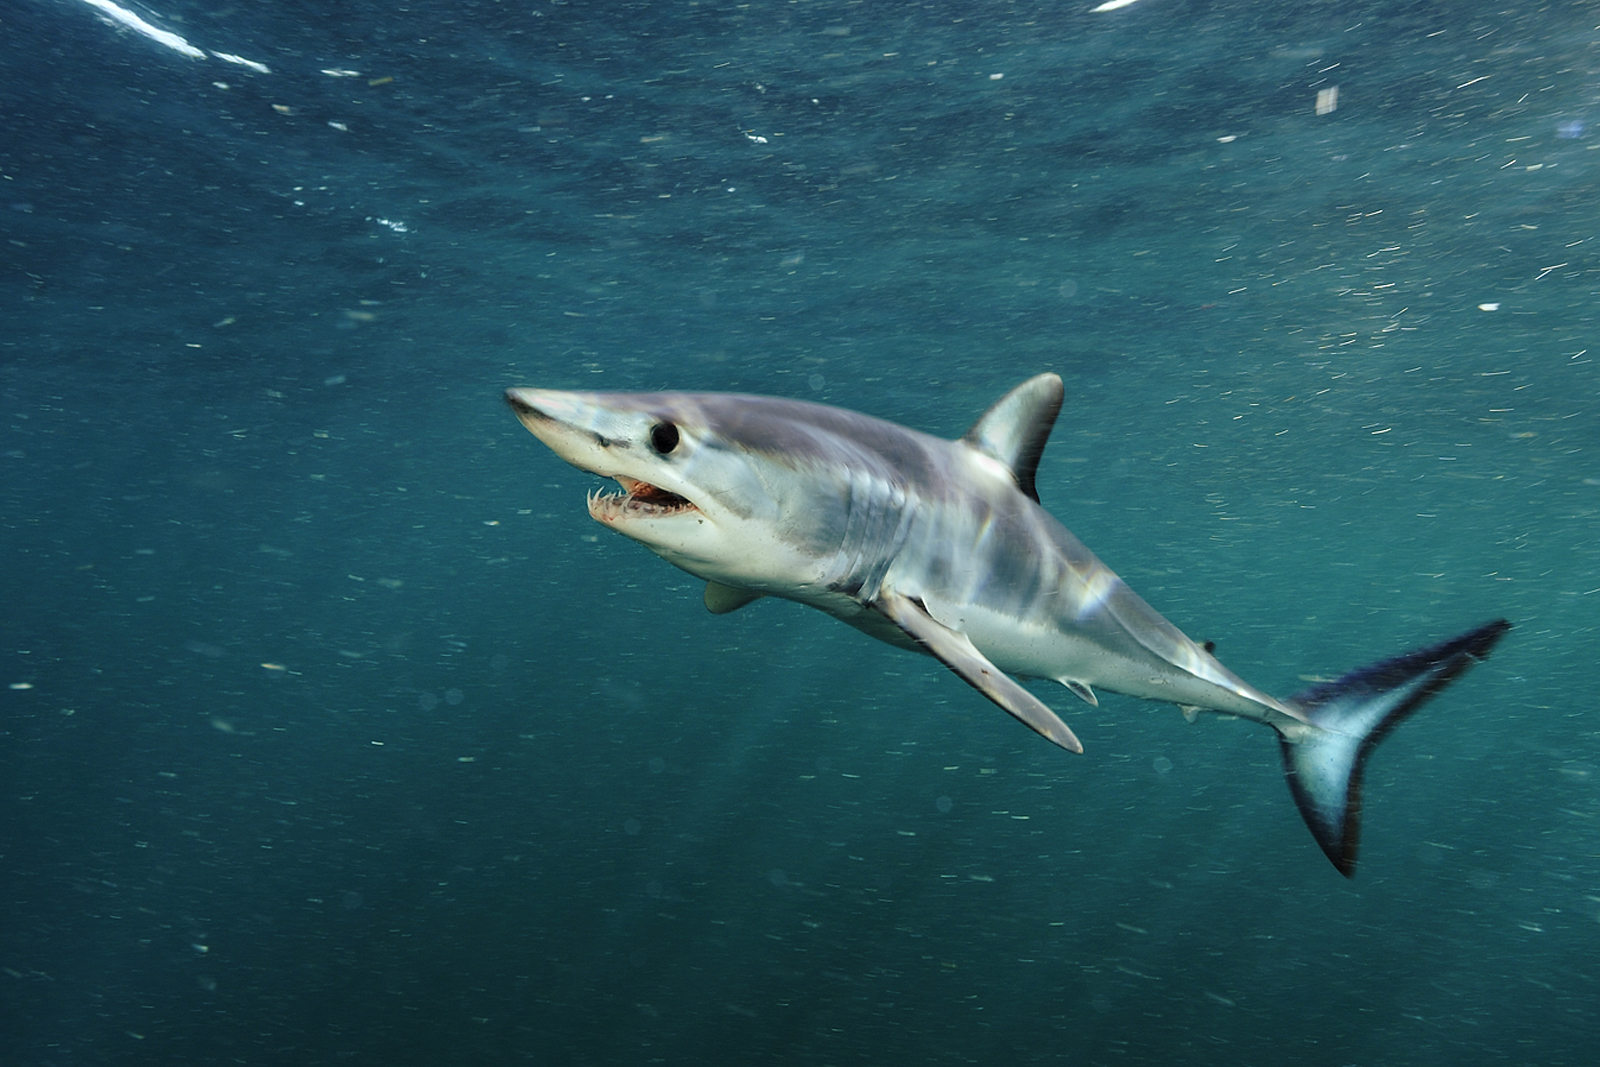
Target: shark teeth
636, 499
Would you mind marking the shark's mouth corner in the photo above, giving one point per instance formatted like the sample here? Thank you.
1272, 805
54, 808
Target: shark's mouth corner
637, 499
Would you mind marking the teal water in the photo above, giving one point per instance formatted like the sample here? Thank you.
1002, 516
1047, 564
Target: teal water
335, 732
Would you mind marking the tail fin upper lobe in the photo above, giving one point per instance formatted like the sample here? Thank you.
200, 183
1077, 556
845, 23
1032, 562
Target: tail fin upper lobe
1352, 715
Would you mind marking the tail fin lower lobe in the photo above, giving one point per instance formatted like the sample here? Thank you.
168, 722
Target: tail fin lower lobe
1352, 715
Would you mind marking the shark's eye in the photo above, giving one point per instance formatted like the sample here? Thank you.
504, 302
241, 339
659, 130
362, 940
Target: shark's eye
663, 437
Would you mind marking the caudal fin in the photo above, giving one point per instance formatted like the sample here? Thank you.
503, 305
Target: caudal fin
1352, 715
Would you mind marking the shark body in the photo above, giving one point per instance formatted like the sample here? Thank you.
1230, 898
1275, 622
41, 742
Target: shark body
942, 547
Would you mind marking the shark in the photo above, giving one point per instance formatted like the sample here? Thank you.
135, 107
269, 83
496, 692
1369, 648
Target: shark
942, 547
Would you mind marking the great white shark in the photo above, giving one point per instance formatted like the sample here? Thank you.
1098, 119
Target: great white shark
942, 547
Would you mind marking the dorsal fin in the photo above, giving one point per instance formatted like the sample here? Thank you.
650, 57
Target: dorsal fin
1016, 427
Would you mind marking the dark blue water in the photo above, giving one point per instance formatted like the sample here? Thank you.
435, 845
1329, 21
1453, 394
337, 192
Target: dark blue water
335, 731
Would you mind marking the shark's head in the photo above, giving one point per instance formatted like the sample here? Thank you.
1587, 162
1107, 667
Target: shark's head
692, 493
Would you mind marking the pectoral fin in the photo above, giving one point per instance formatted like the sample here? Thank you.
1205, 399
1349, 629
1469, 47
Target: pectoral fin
721, 599
956, 651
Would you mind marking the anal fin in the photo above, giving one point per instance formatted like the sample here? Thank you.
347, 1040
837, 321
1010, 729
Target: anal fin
956, 651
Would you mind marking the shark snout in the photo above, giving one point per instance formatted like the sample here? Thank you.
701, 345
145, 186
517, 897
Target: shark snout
555, 419
548, 412
528, 403
573, 426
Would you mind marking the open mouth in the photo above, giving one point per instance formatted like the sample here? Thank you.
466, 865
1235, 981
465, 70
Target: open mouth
636, 498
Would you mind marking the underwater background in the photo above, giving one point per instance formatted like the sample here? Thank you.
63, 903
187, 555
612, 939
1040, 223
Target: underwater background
332, 730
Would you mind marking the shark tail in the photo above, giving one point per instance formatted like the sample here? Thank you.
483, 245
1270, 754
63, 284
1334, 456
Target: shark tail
1349, 717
